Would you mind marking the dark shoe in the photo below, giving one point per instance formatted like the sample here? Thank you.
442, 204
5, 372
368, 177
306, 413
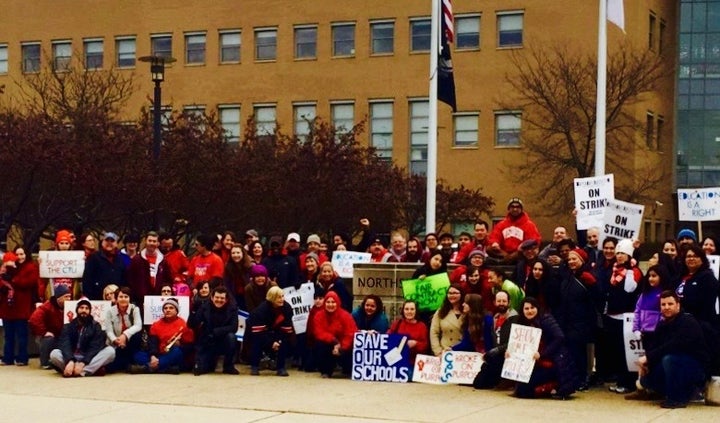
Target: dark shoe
231, 371
673, 404
254, 371
137, 369
172, 370
325, 376
698, 398
583, 387
100, 372
197, 370
561, 397
282, 372
643, 395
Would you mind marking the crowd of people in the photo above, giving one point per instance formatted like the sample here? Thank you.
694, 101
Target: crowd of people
577, 293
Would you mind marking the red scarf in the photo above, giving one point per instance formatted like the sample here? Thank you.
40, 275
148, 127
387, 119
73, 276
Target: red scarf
619, 272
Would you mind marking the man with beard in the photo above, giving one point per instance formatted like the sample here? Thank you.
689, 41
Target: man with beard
510, 232
216, 323
176, 259
494, 359
46, 323
81, 350
282, 268
414, 251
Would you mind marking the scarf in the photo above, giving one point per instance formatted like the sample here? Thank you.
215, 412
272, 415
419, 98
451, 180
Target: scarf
619, 272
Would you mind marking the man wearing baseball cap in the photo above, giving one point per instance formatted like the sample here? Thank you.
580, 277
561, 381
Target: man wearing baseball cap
103, 267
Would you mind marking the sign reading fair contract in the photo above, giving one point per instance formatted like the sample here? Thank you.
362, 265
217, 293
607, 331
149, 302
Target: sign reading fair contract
699, 205
524, 343
591, 196
61, 264
621, 220
98, 310
153, 305
380, 357
428, 293
301, 301
343, 261
633, 345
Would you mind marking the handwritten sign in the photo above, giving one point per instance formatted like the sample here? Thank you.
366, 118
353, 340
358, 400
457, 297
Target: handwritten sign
524, 343
343, 261
591, 196
380, 357
61, 264
427, 369
460, 366
97, 310
699, 205
242, 323
633, 346
621, 220
428, 293
153, 304
301, 301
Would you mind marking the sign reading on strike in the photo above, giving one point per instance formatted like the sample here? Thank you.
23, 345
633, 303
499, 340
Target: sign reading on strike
633, 345
699, 205
301, 301
61, 264
380, 357
621, 220
591, 196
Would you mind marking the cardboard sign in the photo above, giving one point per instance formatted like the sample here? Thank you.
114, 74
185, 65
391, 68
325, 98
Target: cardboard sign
301, 301
98, 310
380, 357
699, 205
343, 261
153, 304
428, 293
242, 323
591, 195
621, 220
460, 367
61, 264
714, 265
524, 343
427, 369
633, 346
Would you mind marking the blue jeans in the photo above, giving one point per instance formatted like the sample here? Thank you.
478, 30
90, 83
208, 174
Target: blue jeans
677, 376
15, 330
174, 357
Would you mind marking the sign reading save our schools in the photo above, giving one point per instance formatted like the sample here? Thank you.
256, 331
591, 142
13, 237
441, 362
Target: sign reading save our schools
301, 301
343, 261
591, 195
452, 367
153, 305
429, 292
621, 220
61, 264
699, 205
380, 357
523, 344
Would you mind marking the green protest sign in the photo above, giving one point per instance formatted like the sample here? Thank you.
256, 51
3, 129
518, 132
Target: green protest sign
428, 293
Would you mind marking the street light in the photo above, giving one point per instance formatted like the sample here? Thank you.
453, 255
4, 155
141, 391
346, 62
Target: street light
157, 73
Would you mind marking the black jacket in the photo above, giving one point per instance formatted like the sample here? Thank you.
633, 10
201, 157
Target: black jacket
267, 325
681, 335
212, 323
90, 339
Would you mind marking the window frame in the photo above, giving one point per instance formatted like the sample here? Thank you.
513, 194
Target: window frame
459, 35
36, 61
378, 131
61, 63
195, 50
512, 33
121, 55
232, 129
347, 44
339, 123
298, 45
304, 121
224, 48
158, 38
87, 55
419, 38
375, 39
417, 130
259, 33
265, 124
500, 131
4, 59
457, 118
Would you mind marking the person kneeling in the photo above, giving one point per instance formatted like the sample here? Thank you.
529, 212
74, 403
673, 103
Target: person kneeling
217, 323
271, 325
166, 339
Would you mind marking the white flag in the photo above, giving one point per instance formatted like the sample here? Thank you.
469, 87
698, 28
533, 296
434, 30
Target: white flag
616, 13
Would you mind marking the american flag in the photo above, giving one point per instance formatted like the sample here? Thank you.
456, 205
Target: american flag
446, 80
447, 21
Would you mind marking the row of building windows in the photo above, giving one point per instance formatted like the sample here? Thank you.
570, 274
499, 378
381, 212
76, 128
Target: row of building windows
382, 42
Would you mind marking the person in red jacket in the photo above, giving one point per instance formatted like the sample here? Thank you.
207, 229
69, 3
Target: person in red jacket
333, 329
148, 270
414, 329
20, 278
510, 232
46, 323
175, 257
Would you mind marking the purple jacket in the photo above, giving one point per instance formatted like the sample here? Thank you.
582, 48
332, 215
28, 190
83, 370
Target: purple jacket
647, 311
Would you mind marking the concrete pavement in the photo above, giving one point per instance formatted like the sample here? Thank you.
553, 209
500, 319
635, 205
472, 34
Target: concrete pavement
28, 394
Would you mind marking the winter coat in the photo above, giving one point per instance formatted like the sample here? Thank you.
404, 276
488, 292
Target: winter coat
647, 311
270, 324
509, 233
138, 276
698, 296
378, 322
101, 271
336, 327
24, 281
89, 340
47, 318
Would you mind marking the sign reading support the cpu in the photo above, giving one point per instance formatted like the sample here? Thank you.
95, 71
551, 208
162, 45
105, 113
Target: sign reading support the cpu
699, 205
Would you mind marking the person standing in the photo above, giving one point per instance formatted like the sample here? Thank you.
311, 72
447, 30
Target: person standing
148, 270
103, 268
20, 278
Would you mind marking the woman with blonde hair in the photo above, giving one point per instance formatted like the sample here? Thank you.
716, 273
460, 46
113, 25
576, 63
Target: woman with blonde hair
270, 325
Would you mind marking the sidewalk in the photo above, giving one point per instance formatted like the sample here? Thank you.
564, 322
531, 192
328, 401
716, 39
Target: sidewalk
28, 394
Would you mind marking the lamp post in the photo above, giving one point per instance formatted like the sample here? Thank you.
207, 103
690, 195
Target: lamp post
157, 73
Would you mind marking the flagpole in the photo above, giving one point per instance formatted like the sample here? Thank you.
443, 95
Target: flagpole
601, 91
431, 173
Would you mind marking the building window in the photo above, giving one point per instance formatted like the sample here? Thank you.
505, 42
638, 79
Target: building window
194, 110
650, 130
195, 49
3, 58
661, 35
62, 54
230, 42
466, 130
343, 117
303, 116
265, 119
382, 37
343, 39
420, 35
265, 44
305, 42
30, 58
651, 31
381, 128
125, 48
507, 129
510, 29
659, 139
419, 115
467, 32
161, 45
93, 54
230, 122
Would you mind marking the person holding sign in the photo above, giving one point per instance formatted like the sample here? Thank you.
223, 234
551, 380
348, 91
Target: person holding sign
370, 315
333, 330
414, 329
329, 280
509, 233
271, 327
447, 322
63, 242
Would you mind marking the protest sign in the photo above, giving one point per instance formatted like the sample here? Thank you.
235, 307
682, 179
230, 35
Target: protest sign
428, 293
460, 367
427, 369
699, 205
524, 343
380, 357
301, 301
343, 261
621, 220
153, 304
97, 310
591, 195
714, 265
633, 345
61, 264
242, 323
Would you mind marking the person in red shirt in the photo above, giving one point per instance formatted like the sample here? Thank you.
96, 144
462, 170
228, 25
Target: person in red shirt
510, 232
46, 323
148, 270
205, 266
175, 257
333, 329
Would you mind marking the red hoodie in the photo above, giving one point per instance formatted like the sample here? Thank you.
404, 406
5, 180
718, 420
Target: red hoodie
335, 327
510, 233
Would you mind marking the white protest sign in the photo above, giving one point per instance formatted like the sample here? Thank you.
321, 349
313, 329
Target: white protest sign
301, 301
98, 309
699, 205
633, 346
460, 367
61, 264
153, 304
524, 343
242, 323
715, 265
427, 369
343, 261
621, 220
591, 195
